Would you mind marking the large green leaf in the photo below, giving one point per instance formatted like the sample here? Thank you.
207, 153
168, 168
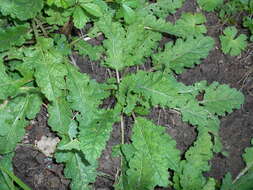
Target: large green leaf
79, 17
185, 53
84, 48
220, 99
160, 89
197, 157
50, 70
151, 161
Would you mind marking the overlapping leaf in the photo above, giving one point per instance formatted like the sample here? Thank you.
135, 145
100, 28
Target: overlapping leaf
126, 47
61, 3
161, 89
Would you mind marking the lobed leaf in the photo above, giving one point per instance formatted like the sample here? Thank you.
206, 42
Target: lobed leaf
161, 8
13, 120
196, 161
126, 47
189, 25
94, 135
209, 5
184, 54
150, 163
219, 99
21, 9
84, 48
13, 36
77, 169
230, 44
79, 17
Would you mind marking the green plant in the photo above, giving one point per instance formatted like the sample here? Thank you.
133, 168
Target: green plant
231, 11
34, 68
230, 43
209, 5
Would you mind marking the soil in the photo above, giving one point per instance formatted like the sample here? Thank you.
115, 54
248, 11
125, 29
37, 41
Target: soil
42, 173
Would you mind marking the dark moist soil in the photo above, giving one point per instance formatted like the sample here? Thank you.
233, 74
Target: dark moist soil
42, 173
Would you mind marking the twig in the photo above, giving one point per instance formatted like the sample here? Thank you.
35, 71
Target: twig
73, 61
118, 77
122, 129
35, 30
242, 172
41, 27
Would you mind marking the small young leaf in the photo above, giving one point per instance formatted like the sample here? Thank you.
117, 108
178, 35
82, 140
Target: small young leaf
93, 9
129, 14
189, 25
230, 44
79, 18
84, 48
209, 5
56, 16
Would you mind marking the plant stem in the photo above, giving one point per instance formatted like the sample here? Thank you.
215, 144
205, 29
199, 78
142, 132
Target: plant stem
122, 129
117, 76
36, 33
41, 27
